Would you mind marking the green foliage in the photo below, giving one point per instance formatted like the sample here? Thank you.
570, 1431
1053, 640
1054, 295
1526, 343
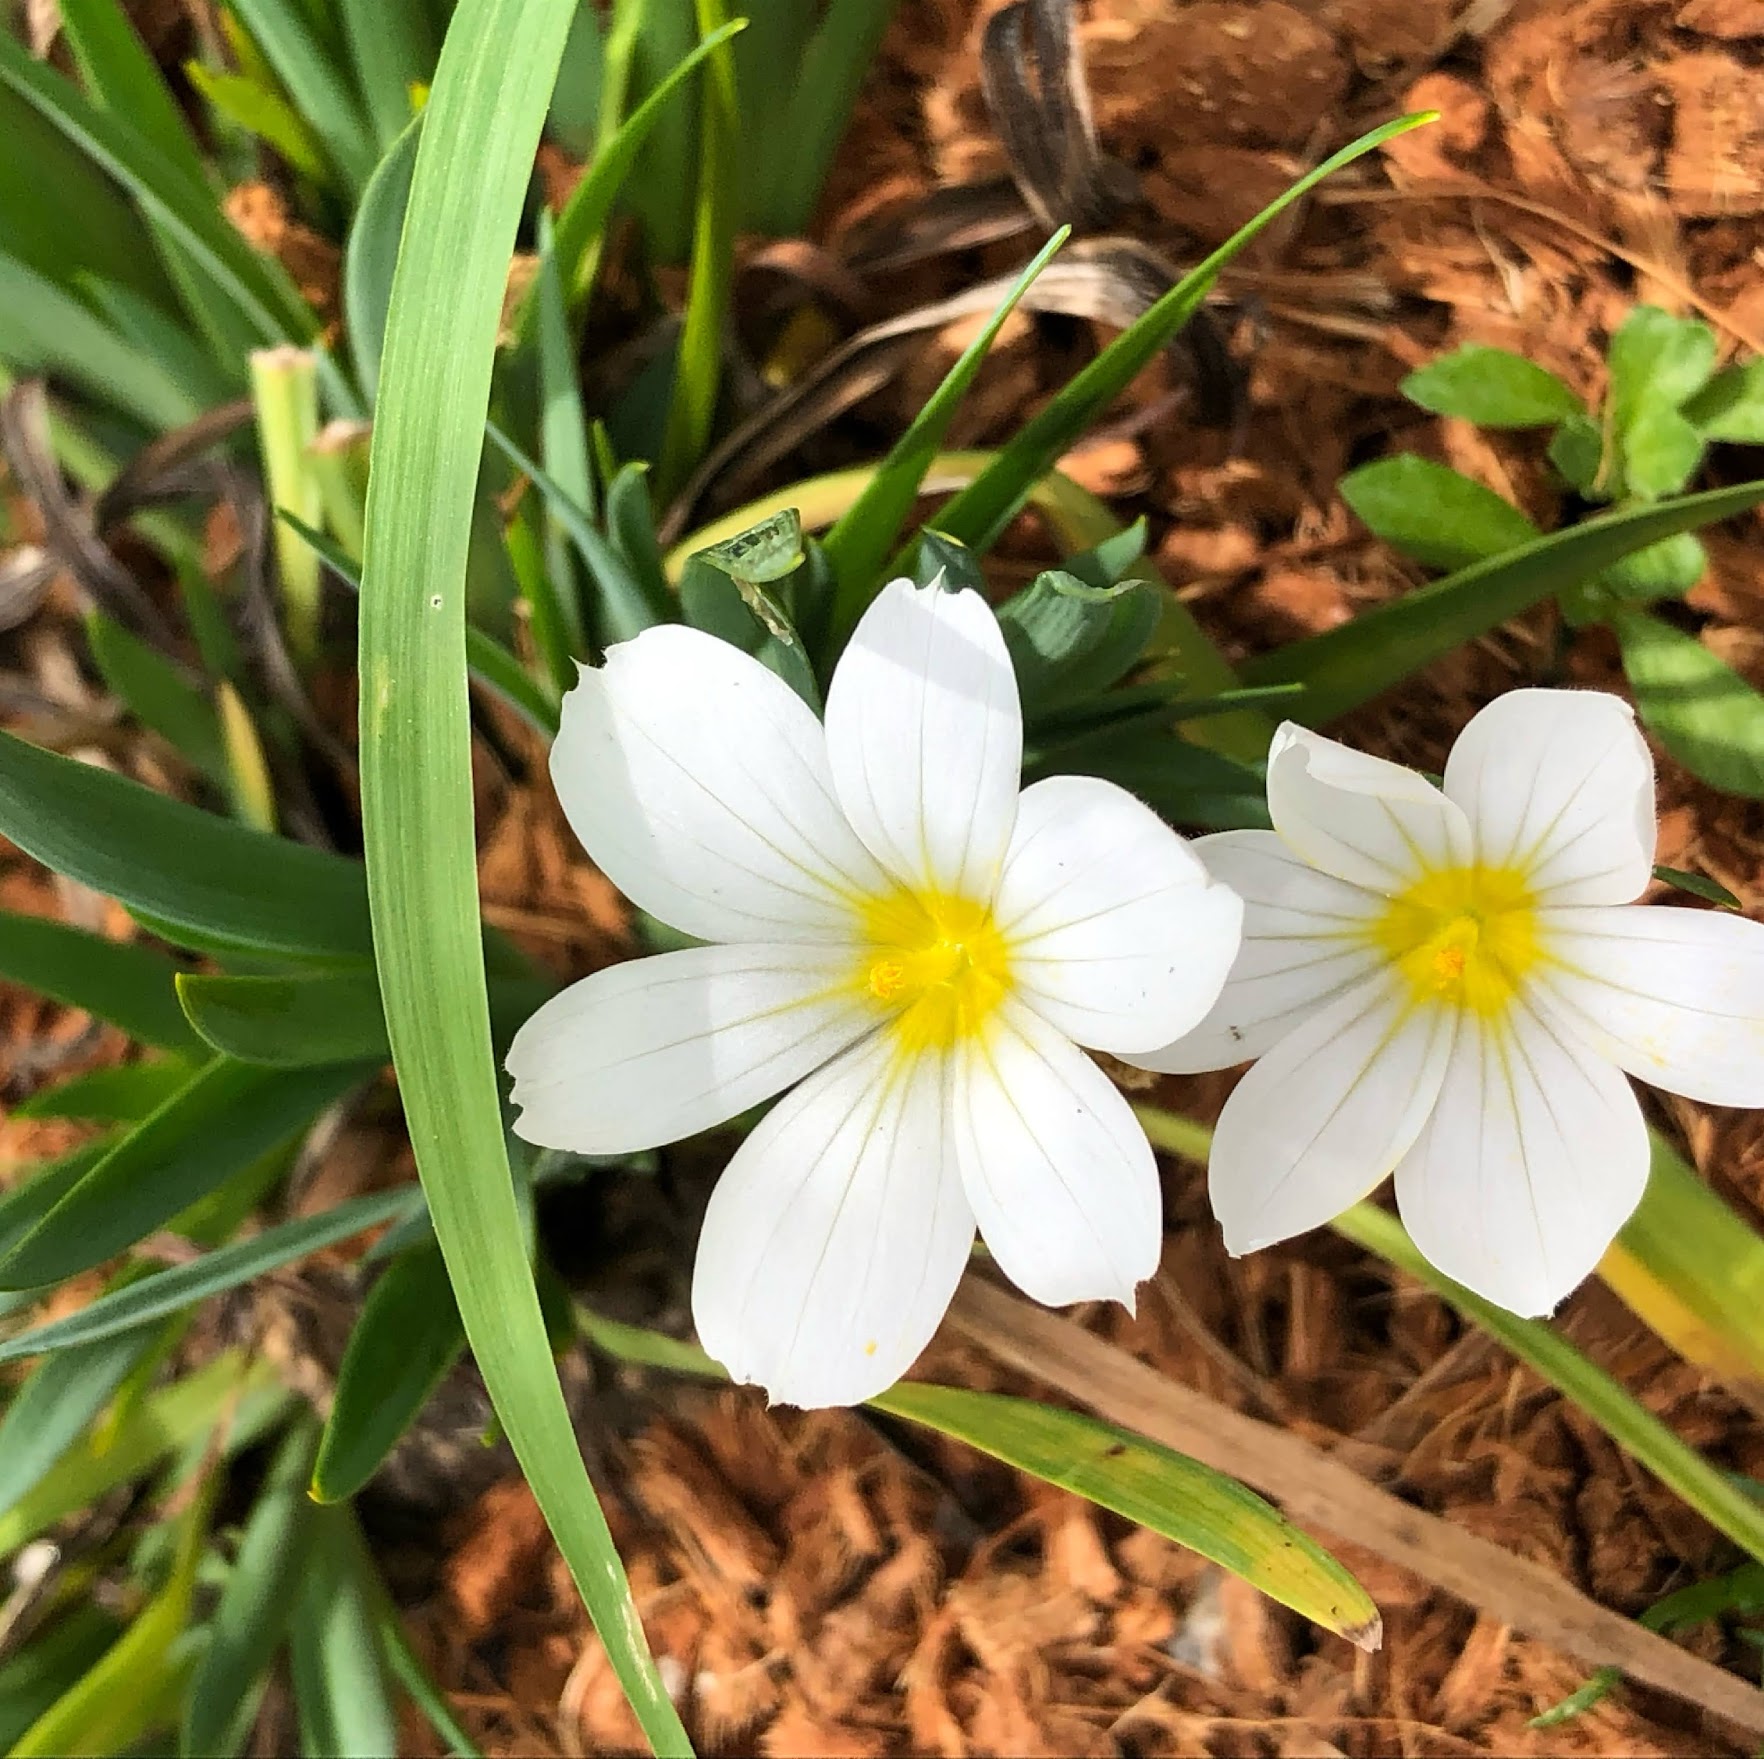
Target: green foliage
1492, 387
491, 91
1697, 706
406, 1339
224, 1120
257, 1605
1664, 405
1433, 513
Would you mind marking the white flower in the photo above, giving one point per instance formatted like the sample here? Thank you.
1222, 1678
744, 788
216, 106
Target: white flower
905, 935
1449, 985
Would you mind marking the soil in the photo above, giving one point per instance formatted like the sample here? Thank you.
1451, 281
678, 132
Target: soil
839, 1584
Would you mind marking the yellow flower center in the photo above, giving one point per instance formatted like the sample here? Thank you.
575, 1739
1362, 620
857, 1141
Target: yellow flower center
1466, 936
937, 963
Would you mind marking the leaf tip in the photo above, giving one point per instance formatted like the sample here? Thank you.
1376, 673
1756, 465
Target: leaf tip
1367, 1636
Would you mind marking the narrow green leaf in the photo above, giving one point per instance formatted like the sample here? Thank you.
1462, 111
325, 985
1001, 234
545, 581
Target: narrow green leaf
1731, 405
698, 366
981, 511
130, 986
630, 525
1156, 1487
226, 1267
257, 1604
406, 1338
1711, 1492
859, 544
822, 83
393, 50
244, 1396
584, 215
158, 695
1433, 513
1694, 703
56, 1404
38, 1190
261, 291
121, 1094
122, 76
1692, 1268
372, 254
490, 663
339, 1673
229, 1116
320, 90
402, 1662
1345, 667
262, 111
625, 609
1493, 388
1112, 1467
563, 443
318, 1018
133, 1690
206, 881
45, 329
480, 132
1699, 885
46, 1667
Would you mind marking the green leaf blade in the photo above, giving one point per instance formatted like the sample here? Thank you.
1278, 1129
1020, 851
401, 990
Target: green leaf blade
480, 131
1160, 1489
1493, 388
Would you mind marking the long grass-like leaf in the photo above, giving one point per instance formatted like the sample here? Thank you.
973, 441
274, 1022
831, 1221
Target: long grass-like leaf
1351, 664
130, 986
226, 1267
1629, 1423
981, 511
698, 367
479, 135
228, 1117
202, 880
859, 543
262, 292
244, 1396
584, 215
1153, 1485
254, 1610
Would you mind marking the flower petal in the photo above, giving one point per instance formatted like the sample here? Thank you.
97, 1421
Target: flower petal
1326, 1114
1305, 941
1116, 933
925, 737
1534, 1157
1367, 821
1560, 783
698, 781
1056, 1166
1675, 996
656, 1049
838, 1233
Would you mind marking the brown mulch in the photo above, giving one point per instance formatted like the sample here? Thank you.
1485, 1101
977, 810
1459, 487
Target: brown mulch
833, 1583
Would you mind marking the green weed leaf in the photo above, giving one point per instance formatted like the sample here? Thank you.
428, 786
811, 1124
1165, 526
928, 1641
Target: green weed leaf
1433, 513
1493, 388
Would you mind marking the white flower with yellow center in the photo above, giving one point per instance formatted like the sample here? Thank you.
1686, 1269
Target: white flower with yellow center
1452, 984
906, 936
